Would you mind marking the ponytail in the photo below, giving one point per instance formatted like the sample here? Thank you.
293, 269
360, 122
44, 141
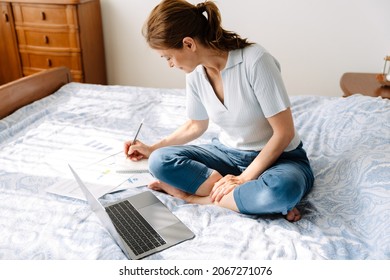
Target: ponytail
173, 20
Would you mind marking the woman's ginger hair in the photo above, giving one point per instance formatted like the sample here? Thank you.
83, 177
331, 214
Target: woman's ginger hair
173, 20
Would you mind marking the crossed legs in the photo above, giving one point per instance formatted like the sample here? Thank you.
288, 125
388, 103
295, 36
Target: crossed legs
190, 172
202, 196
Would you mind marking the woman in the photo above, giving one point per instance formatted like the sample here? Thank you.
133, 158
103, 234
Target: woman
258, 165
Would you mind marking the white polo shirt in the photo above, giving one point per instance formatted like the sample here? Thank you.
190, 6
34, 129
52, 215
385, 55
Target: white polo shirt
253, 91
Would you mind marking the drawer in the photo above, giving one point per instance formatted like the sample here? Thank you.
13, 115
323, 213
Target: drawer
48, 60
60, 40
45, 15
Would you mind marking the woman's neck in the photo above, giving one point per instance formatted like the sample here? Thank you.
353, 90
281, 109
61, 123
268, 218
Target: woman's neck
214, 60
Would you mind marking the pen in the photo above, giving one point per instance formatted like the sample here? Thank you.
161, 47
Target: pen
136, 135
135, 139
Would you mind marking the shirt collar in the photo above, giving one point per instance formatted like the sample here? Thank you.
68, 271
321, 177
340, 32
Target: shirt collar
234, 58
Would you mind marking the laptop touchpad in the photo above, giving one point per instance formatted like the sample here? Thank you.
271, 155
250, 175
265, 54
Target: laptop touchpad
158, 216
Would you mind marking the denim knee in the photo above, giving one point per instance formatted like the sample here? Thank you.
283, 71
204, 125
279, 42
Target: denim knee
286, 189
271, 193
172, 165
157, 162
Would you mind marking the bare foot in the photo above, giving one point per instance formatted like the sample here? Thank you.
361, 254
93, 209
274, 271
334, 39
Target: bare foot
161, 186
294, 215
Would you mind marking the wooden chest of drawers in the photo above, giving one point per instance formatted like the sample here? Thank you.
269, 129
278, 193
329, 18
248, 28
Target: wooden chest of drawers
51, 33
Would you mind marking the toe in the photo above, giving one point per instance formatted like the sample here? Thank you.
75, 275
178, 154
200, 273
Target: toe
294, 215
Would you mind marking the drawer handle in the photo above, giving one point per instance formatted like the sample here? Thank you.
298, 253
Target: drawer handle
46, 39
6, 18
43, 15
49, 63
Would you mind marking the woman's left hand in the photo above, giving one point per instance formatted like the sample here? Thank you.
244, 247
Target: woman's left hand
224, 186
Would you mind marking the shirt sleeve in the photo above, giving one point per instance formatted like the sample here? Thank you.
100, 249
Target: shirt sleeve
195, 107
268, 85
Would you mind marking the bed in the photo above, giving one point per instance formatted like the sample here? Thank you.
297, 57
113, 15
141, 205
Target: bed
47, 121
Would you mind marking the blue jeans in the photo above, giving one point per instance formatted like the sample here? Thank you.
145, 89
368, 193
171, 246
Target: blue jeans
277, 190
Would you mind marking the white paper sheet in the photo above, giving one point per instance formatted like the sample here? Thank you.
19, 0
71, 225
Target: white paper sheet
97, 167
124, 165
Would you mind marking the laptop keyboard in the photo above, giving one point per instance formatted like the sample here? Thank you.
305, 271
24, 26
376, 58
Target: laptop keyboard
133, 228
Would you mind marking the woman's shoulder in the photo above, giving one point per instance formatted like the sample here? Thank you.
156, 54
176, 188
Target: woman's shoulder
256, 54
254, 51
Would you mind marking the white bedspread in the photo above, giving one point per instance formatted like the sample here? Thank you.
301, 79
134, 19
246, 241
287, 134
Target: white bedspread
346, 215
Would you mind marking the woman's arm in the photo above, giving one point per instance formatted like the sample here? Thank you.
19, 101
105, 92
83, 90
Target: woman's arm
190, 130
283, 132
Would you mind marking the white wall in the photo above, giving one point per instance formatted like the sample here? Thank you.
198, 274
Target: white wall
314, 40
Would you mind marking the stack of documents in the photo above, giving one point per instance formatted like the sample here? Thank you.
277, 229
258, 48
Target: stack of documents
102, 170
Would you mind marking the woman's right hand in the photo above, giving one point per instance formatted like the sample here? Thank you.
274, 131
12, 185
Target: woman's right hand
136, 151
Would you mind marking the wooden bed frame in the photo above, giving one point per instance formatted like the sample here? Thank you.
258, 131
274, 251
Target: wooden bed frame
26, 90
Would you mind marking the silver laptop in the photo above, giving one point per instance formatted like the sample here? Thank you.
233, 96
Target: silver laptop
141, 224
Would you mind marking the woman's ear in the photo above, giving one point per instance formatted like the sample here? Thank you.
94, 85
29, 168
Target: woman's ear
189, 43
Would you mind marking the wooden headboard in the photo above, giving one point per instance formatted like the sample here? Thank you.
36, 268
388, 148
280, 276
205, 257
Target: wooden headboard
26, 90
